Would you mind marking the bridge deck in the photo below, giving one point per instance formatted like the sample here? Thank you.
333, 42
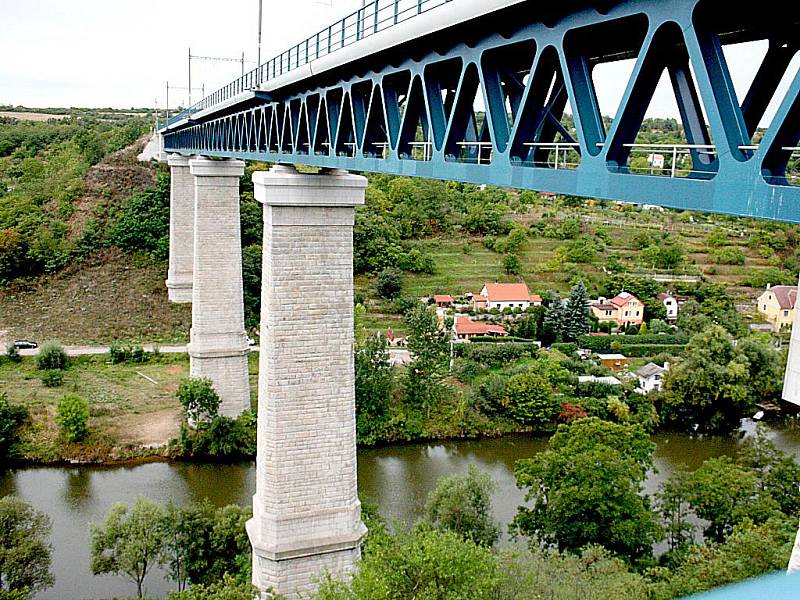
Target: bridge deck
478, 92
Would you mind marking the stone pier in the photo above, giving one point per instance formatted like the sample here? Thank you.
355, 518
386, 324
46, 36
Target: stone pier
218, 343
181, 230
791, 379
306, 512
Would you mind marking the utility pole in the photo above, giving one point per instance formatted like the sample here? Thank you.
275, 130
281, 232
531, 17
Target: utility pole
190, 76
260, 9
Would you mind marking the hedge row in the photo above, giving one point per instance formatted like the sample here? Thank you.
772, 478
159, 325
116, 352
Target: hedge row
495, 354
645, 350
602, 343
565, 348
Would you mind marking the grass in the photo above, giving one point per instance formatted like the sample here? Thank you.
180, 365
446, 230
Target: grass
111, 296
464, 264
133, 407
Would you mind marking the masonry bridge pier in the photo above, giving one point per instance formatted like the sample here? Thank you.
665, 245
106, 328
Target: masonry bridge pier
466, 90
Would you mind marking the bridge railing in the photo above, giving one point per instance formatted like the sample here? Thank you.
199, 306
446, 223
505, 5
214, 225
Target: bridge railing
374, 17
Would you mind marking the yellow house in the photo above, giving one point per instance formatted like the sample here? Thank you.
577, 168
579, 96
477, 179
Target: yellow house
777, 304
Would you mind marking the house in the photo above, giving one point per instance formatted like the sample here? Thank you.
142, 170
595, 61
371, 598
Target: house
607, 379
465, 328
393, 340
443, 300
651, 377
509, 295
624, 309
670, 305
615, 362
478, 302
777, 304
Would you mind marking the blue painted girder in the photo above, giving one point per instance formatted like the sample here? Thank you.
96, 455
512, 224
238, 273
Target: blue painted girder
415, 117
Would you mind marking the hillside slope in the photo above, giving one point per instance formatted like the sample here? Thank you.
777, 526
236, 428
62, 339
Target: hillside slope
108, 295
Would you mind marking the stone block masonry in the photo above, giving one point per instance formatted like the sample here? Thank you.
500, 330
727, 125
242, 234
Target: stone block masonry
218, 343
306, 513
181, 230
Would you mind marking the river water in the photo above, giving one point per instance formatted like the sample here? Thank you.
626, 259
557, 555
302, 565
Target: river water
396, 478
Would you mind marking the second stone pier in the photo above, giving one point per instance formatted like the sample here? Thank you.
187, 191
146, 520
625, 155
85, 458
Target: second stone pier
181, 229
306, 512
218, 343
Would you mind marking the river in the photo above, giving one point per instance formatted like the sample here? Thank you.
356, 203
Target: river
397, 478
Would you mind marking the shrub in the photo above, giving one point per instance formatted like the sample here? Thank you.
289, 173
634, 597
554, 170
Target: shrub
728, 256
116, 353
10, 419
13, 353
199, 399
530, 400
389, 283
51, 356
565, 348
52, 378
72, 416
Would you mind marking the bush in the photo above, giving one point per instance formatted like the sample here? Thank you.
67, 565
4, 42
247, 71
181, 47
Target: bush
51, 356
119, 353
567, 349
72, 416
143, 224
389, 283
496, 355
11, 417
603, 343
52, 378
199, 399
728, 256
13, 353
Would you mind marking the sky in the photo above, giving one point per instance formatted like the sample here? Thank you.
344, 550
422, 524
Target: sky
122, 53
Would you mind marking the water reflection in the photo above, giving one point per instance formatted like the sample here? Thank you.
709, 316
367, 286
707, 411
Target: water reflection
397, 478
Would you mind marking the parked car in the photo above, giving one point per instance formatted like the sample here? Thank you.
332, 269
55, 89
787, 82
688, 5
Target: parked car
25, 344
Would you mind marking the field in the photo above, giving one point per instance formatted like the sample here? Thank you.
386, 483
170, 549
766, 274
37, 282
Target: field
133, 407
31, 116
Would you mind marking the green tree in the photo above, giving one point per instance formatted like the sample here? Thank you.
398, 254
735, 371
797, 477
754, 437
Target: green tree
594, 574
142, 225
586, 489
72, 416
553, 320
724, 494
199, 399
389, 283
463, 504
51, 357
11, 417
575, 317
525, 327
674, 506
714, 385
422, 563
428, 345
226, 589
750, 550
529, 398
187, 549
24, 548
129, 542
373, 386
511, 264
778, 474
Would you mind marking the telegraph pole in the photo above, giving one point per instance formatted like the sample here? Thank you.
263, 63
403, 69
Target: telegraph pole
260, 8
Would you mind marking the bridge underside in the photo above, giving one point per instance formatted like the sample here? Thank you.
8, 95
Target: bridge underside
484, 102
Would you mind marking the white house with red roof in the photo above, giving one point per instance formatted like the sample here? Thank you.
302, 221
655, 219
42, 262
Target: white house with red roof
508, 295
777, 304
465, 328
624, 309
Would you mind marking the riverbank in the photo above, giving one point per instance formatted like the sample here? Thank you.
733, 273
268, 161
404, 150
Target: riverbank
396, 479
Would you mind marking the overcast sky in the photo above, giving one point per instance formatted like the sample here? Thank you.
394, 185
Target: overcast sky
121, 53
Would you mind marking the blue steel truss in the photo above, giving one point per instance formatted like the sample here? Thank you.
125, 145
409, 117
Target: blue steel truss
410, 110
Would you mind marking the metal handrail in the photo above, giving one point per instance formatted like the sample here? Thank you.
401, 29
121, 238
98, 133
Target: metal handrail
374, 17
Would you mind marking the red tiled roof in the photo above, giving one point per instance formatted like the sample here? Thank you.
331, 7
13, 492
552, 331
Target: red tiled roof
441, 298
478, 298
536, 298
623, 298
466, 326
785, 294
508, 292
